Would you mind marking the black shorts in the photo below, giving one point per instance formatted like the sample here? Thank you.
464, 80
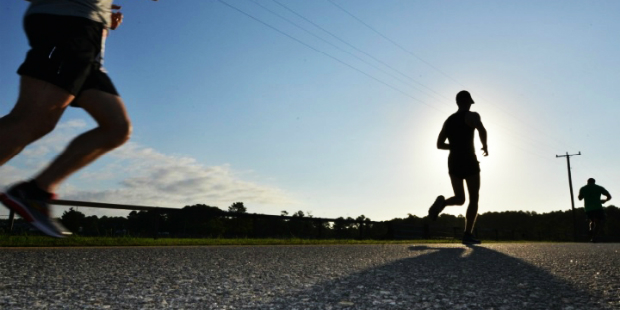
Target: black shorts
598, 214
65, 51
463, 166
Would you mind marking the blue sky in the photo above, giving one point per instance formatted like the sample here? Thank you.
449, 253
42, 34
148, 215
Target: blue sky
334, 107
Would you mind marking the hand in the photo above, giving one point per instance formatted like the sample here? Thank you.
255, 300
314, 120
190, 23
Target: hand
604, 201
485, 151
117, 17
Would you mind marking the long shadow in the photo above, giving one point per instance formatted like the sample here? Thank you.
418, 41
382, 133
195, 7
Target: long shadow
444, 277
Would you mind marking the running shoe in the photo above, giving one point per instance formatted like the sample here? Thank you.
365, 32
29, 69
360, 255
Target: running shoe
469, 239
436, 208
31, 203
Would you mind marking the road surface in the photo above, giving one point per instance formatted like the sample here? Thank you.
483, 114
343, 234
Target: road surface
415, 276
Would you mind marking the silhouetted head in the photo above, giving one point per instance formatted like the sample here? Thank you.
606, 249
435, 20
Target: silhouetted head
463, 98
591, 181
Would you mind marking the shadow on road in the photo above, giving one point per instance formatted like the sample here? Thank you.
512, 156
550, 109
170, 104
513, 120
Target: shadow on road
444, 277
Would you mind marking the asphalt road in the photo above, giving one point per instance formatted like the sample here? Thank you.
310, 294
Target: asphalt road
491, 276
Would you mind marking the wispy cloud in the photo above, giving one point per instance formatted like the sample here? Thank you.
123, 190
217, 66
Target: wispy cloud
136, 174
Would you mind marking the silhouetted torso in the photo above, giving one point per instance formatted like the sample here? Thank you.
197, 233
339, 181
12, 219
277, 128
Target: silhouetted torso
591, 194
460, 135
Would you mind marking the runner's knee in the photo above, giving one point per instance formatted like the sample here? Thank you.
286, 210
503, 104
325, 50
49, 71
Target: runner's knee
118, 133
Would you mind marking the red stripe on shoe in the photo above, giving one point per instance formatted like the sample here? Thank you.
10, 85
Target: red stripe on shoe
11, 204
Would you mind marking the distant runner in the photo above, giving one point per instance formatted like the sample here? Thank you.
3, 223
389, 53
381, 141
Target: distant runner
62, 68
593, 205
463, 164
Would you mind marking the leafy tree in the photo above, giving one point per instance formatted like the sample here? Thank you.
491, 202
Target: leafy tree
197, 220
115, 225
340, 228
91, 226
237, 207
141, 223
73, 219
611, 227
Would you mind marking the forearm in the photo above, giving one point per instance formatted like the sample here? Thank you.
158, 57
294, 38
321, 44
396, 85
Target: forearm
483, 137
442, 145
441, 141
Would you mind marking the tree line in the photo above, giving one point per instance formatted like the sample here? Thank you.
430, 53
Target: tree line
207, 221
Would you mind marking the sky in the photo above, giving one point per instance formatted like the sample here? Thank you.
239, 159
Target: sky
333, 107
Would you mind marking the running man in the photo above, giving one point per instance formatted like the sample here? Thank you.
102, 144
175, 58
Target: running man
591, 194
463, 164
62, 68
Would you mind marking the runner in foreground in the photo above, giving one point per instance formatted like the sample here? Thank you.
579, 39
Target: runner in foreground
463, 164
62, 68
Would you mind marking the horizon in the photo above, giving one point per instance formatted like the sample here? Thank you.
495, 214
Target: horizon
66, 208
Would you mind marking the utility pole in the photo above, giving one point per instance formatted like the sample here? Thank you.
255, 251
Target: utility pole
570, 185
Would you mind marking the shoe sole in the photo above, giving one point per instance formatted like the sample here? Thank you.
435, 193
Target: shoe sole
13, 204
431, 213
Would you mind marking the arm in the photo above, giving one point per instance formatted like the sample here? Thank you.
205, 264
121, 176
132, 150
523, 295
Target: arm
607, 195
482, 132
117, 17
473, 119
441, 140
580, 195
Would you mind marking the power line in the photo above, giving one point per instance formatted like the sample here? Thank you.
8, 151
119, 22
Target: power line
357, 49
326, 54
350, 45
393, 42
335, 46
432, 66
340, 61
345, 63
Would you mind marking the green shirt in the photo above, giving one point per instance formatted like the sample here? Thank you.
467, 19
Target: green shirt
591, 194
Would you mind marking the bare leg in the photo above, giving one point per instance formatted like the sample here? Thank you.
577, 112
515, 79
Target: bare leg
459, 192
38, 109
113, 130
595, 226
473, 188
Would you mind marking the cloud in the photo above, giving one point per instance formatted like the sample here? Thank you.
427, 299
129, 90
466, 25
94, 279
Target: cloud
171, 181
139, 175
72, 124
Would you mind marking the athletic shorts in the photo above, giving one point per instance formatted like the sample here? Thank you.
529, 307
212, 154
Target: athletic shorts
65, 51
463, 166
598, 214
